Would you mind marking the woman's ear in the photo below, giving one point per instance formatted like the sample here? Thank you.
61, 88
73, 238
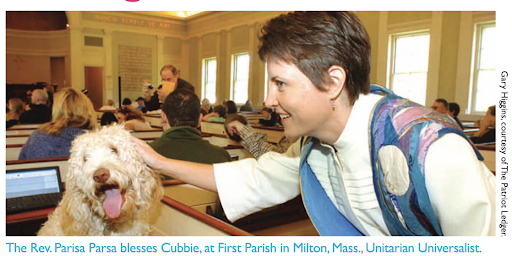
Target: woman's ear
337, 77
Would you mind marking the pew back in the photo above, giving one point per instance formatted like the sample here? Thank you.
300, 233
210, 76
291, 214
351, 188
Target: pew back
19, 131
16, 139
177, 219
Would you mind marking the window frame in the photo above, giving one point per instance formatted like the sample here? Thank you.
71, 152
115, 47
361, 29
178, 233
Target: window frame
393, 37
234, 72
476, 56
205, 76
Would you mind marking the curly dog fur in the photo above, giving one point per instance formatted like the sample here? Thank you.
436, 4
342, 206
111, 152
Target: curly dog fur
105, 163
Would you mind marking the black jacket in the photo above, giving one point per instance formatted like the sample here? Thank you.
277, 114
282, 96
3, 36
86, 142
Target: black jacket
37, 114
154, 103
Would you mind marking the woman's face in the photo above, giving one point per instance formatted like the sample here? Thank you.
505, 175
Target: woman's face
266, 115
120, 117
303, 108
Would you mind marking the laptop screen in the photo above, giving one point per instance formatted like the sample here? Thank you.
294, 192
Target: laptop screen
28, 182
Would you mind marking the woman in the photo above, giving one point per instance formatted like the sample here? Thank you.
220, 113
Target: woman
487, 128
231, 107
206, 107
133, 120
453, 111
270, 118
72, 115
247, 106
319, 66
217, 115
15, 109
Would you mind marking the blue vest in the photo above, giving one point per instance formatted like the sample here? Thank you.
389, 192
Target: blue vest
401, 125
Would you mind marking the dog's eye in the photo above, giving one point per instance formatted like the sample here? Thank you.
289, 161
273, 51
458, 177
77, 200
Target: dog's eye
85, 158
114, 149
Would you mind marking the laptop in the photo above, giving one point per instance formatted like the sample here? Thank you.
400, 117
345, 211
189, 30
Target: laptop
32, 189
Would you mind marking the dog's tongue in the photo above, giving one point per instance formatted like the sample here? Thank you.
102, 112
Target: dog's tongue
113, 202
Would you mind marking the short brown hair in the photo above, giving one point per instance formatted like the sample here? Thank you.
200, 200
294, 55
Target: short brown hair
171, 68
182, 108
315, 41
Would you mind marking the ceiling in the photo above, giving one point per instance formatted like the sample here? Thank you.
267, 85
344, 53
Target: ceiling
180, 15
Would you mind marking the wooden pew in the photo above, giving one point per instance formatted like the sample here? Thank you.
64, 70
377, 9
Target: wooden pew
213, 128
177, 219
22, 138
147, 134
16, 139
289, 218
251, 116
153, 119
25, 131
236, 150
274, 134
12, 151
489, 154
24, 126
202, 200
174, 219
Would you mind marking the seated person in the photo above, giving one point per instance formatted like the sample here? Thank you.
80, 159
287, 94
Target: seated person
15, 109
73, 114
247, 106
108, 118
109, 106
39, 112
440, 105
181, 138
217, 115
150, 101
140, 105
133, 119
127, 103
453, 111
270, 118
487, 131
206, 107
231, 107
255, 142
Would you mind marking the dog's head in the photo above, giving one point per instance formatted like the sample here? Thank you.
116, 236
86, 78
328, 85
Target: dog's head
107, 174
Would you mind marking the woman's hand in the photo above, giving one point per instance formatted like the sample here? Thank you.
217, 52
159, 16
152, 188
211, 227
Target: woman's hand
149, 155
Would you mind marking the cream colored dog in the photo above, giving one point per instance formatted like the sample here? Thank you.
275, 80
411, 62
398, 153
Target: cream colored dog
109, 189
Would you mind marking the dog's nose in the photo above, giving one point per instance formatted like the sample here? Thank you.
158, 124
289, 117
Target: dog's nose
101, 175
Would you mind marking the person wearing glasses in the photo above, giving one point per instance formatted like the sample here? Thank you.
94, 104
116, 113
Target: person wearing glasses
170, 81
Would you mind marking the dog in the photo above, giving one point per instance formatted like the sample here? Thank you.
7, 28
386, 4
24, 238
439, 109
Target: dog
109, 189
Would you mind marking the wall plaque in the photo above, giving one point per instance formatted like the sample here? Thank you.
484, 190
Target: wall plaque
134, 66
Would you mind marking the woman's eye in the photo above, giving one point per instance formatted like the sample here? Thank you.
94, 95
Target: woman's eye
279, 84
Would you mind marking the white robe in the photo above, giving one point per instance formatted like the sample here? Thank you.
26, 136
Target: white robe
460, 187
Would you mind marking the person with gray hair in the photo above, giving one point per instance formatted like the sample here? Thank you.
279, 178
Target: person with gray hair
39, 112
169, 74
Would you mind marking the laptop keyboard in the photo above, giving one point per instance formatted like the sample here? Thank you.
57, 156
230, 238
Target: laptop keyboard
35, 202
